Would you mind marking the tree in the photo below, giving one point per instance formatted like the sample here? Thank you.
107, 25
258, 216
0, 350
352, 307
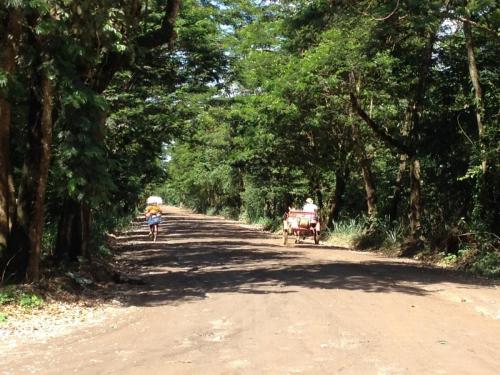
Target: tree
11, 21
71, 67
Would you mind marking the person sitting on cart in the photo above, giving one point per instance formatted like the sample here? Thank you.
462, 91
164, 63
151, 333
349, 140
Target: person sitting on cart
309, 206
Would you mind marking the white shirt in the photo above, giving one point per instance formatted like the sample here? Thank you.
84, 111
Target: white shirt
310, 207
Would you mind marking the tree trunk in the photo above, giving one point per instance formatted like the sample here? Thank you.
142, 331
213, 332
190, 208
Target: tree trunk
8, 45
69, 232
337, 199
45, 144
319, 197
478, 94
85, 221
28, 231
364, 161
415, 110
365, 164
397, 190
12, 203
488, 182
415, 199
371, 198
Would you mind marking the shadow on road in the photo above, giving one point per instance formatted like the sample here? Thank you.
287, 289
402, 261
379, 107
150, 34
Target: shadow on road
194, 257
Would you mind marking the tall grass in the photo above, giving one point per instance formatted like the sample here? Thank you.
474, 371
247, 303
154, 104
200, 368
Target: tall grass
345, 232
361, 234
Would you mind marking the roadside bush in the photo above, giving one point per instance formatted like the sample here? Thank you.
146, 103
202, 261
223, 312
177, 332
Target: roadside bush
243, 217
344, 232
232, 213
487, 264
377, 234
104, 224
12, 295
349, 227
480, 253
211, 211
369, 239
393, 232
254, 203
269, 224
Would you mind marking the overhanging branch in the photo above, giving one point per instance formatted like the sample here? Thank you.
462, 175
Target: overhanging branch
477, 25
114, 61
166, 33
377, 129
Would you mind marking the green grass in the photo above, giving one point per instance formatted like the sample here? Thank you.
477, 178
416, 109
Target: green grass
16, 296
30, 301
355, 233
345, 232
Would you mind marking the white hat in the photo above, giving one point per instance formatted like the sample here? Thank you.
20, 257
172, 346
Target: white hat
309, 200
154, 200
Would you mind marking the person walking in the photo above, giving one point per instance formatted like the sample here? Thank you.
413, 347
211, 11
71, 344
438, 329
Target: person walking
153, 218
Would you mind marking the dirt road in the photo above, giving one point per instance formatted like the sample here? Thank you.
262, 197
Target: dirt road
221, 298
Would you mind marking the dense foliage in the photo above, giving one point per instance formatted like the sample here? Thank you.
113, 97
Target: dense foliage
385, 112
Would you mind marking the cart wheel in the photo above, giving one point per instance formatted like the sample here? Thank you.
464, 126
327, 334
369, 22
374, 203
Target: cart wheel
285, 236
316, 237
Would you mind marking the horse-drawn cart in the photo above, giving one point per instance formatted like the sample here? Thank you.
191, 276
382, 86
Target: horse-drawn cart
301, 224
